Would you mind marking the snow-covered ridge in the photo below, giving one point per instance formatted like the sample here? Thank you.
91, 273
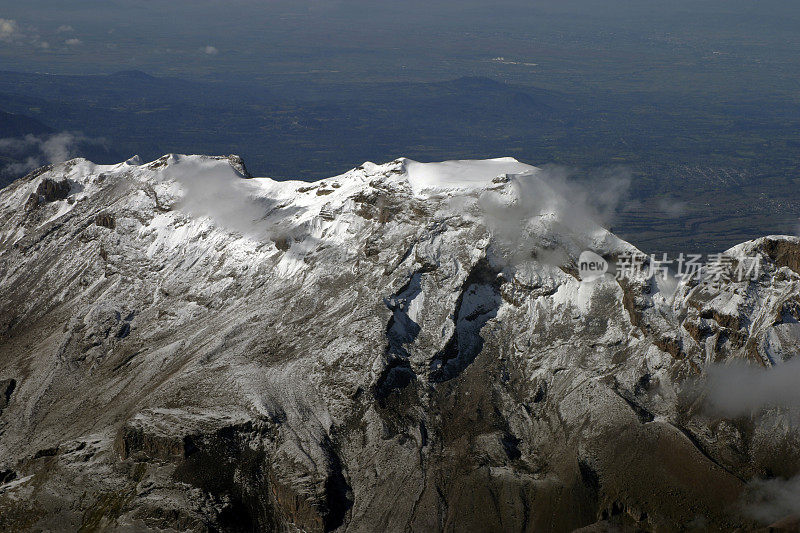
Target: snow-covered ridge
423, 178
512, 198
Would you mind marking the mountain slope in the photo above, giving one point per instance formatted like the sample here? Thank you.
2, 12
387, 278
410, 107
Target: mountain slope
405, 346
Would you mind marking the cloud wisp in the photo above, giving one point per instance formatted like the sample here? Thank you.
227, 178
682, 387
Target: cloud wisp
9, 30
672, 207
552, 195
35, 151
740, 389
13, 33
769, 500
220, 195
737, 390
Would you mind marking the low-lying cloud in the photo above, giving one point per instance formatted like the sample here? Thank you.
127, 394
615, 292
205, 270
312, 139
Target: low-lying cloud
34, 151
574, 201
770, 500
672, 207
740, 389
743, 390
229, 202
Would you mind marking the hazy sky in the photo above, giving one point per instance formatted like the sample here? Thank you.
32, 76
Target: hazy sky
650, 44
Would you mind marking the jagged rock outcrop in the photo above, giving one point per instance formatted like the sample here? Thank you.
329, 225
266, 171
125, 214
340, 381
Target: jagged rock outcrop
364, 353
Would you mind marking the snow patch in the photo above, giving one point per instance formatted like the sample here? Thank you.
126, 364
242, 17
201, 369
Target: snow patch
464, 174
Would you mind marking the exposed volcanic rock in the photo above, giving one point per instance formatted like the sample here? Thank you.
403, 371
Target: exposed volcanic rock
106, 220
7, 387
362, 354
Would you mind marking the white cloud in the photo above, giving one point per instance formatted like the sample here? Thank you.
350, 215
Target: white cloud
221, 196
9, 30
671, 207
65, 29
210, 50
552, 193
19, 169
12, 32
72, 42
15, 145
43, 150
741, 389
60, 147
736, 390
769, 500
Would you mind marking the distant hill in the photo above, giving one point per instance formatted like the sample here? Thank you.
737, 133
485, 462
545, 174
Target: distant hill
292, 129
14, 125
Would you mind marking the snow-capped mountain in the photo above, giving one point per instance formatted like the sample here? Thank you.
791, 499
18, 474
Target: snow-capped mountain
407, 346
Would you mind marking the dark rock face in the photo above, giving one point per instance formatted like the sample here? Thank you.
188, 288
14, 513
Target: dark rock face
7, 387
238, 165
7, 476
783, 252
386, 369
105, 220
52, 190
49, 190
231, 465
